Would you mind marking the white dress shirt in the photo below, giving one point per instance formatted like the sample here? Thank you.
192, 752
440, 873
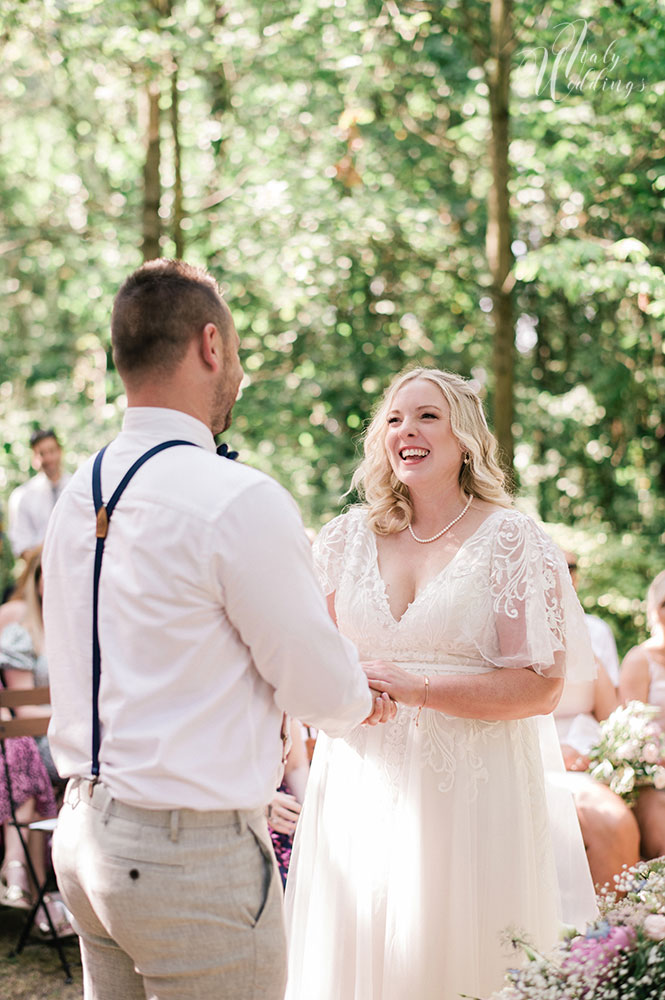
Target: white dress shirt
211, 624
29, 510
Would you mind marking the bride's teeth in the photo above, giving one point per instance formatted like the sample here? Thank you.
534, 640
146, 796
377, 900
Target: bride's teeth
414, 453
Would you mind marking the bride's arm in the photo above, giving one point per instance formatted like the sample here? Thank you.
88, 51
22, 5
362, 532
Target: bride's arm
510, 693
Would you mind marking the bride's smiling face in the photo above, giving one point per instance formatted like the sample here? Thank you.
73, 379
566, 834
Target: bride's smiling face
419, 442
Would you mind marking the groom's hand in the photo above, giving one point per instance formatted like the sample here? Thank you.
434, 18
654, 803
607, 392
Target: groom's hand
383, 708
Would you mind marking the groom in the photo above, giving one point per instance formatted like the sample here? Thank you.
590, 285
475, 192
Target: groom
209, 626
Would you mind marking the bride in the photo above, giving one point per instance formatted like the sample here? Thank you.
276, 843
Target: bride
424, 842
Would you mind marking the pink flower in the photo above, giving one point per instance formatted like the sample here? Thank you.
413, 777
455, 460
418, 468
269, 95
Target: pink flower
654, 926
650, 753
593, 954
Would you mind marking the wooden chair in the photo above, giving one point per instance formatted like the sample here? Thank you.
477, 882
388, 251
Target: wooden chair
11, 728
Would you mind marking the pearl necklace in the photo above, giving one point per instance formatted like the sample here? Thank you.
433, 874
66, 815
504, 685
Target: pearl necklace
425, 541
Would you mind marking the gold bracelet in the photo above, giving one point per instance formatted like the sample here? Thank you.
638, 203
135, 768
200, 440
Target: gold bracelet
421, 707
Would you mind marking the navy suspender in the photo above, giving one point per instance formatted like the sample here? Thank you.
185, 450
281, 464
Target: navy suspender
104, 513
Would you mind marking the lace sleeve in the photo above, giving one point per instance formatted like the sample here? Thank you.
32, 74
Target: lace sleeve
538, 619
16, 649
328, 552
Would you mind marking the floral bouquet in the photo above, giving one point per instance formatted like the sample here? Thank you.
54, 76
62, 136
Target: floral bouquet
630, 751
620, 957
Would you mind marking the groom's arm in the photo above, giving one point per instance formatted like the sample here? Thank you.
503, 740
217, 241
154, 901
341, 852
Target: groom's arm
274, 600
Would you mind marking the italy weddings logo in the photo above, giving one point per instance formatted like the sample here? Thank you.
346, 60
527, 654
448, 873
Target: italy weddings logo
573, 64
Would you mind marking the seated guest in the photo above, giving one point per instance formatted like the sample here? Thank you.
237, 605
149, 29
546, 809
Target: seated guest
22, 659
284, 810
643, 679
609, 829
33, 799
602, 638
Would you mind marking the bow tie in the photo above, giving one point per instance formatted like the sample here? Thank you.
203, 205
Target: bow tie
223, 451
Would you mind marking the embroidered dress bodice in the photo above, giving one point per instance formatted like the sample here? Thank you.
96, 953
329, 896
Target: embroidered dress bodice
502, 601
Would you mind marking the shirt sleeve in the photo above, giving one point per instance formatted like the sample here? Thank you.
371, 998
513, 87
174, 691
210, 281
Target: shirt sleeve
538, 619
272, 597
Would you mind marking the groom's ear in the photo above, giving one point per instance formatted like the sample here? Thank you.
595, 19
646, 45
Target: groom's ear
211, 347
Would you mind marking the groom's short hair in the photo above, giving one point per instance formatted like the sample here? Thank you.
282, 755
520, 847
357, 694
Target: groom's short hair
158, 310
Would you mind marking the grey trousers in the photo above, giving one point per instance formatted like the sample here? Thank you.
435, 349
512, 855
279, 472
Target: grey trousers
170, 905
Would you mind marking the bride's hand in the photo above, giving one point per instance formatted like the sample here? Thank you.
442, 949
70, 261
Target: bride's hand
403, 687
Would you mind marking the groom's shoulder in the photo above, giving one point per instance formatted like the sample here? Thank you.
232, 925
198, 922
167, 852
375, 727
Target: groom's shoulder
231, 480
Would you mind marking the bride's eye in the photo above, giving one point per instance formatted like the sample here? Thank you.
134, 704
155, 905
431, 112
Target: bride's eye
393, 420
434, 416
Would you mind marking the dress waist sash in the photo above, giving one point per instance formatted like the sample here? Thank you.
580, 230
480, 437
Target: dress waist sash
424, 667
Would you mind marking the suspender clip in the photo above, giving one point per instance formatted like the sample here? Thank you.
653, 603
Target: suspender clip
102, 522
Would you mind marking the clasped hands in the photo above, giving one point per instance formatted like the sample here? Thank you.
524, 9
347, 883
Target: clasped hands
390, 684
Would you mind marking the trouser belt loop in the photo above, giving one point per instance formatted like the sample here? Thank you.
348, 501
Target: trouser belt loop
241, 822
106, 810
175, 823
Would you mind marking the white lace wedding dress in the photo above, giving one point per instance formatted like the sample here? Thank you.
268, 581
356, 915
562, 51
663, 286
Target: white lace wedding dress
420, 848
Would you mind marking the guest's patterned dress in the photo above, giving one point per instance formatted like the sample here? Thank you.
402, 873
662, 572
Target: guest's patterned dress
27, 776
282, 843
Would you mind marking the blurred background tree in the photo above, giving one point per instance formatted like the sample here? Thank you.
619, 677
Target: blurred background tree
477, 185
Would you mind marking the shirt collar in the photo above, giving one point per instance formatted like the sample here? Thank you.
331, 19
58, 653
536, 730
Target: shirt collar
163, 423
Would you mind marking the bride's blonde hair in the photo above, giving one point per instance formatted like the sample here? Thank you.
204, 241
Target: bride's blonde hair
387, 499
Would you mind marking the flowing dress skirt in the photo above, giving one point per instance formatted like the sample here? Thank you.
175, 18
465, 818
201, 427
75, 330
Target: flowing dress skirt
419, 851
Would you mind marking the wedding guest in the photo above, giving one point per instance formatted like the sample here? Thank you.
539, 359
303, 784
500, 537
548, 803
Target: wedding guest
609, 828
420, 844
32, 797
22, 659
31, 504
603, 642
284, 810
643, 679
208, 626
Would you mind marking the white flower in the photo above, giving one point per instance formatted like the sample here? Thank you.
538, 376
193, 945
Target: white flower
623, 780
650, 753
628, 750
659, 777
654, 926
602, 771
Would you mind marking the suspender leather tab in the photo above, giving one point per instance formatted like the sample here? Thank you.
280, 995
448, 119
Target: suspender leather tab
102, 523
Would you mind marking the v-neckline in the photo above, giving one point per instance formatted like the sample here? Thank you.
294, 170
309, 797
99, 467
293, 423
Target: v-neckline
432, 579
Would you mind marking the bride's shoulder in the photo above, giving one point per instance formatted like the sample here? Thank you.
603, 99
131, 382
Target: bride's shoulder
512, 527
344, 525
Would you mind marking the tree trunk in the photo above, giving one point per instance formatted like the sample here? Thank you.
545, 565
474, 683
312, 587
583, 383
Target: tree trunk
178, 213
152, 188
499, 237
